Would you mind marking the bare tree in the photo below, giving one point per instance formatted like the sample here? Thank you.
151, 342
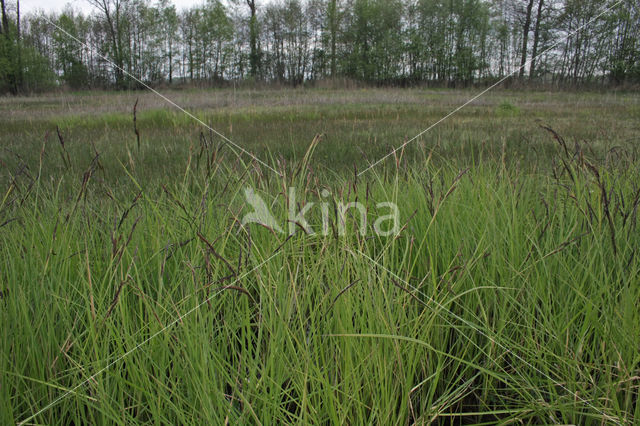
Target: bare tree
525, 37
112, 10
536, 40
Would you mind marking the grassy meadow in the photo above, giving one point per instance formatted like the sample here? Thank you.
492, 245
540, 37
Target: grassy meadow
131, 291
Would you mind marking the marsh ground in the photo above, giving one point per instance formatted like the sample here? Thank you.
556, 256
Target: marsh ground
131, 291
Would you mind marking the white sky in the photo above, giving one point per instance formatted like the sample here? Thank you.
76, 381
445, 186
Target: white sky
27, 6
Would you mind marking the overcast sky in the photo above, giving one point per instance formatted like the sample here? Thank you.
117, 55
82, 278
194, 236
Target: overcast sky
27, 6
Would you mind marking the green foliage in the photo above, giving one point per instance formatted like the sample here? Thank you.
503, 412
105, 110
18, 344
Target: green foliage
452, 42
69, 55
506, 109
371, 36
37, 75
23, 68
7, 64
624, 60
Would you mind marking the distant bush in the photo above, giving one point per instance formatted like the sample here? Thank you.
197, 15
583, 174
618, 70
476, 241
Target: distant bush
506, 109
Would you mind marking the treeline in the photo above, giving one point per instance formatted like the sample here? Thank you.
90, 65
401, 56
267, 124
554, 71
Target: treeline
440, 42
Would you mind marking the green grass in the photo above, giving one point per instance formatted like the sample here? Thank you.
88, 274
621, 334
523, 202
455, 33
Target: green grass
131, 292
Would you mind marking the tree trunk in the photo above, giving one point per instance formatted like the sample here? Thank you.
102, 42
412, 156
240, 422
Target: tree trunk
191, 65
536, 40
333, 29
170, 61
4, 27
19, 73
12, 71
254, 55
525, 37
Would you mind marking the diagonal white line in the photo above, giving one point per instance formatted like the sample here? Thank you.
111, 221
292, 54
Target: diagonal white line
138, 346
493, 86
478, 330
166, 99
